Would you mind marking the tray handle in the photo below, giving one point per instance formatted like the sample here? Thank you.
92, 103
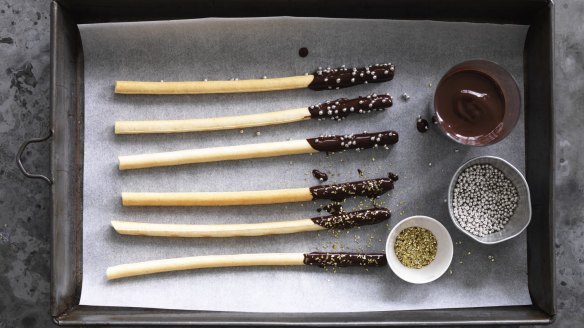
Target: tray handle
19, 158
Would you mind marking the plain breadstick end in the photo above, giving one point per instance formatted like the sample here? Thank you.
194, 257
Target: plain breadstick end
116, 225
114, 272
119, 87
109, 274
123, 163
117, 128
124, 203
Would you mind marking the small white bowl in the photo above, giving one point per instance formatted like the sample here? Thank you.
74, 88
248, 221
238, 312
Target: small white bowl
433, 270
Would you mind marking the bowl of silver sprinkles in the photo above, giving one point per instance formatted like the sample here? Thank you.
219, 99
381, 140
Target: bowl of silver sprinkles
488, 199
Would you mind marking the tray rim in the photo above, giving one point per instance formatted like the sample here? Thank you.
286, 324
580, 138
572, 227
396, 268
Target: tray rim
66, 161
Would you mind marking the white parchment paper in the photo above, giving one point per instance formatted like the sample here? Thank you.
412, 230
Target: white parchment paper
422, 51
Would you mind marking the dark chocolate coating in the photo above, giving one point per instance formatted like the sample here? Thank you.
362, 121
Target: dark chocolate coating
369, 188
353, 141
353, 219
338, 78
323, 259
341, 108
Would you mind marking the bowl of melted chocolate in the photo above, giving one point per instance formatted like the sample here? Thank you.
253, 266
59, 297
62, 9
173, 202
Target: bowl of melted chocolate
477, 103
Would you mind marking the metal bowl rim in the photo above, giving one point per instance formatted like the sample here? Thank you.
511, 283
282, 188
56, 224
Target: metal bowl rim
451, 188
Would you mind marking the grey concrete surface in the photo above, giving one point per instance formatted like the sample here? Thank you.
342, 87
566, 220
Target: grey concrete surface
24, 204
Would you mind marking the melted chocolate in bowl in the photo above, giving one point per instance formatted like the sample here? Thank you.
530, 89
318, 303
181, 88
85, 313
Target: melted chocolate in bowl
477, 103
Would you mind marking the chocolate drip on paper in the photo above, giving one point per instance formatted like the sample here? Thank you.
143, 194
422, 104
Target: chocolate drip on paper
334, 208
323, 259
422, 125
353, 219
341, 108
353, 141
319, 175
392, 176
338, 78
369, 188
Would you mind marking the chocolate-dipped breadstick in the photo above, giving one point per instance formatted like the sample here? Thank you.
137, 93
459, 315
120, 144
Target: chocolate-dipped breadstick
333, 143
366, 188
322, 79
339, 221
337, 110
320, 259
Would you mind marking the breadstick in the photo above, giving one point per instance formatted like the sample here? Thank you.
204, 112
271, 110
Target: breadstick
326, 79
320, 259
368, 188
271, 149
337, 109
337, 221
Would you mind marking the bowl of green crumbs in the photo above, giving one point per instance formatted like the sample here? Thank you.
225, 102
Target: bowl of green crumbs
419, 249
488, 200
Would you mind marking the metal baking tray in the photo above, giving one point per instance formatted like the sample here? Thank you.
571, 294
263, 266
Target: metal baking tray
67, 102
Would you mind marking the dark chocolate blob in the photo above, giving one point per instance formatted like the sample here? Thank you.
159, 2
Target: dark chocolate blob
341, 108
422, 125
303, 52
338, 78
392, 176
319, 175
323, 259
353, 141
353, 219
368, 188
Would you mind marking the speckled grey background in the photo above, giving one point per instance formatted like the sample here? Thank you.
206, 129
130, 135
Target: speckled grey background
24, 204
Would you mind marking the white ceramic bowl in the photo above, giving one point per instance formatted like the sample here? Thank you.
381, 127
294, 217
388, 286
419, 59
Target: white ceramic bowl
522, 215
433, 270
